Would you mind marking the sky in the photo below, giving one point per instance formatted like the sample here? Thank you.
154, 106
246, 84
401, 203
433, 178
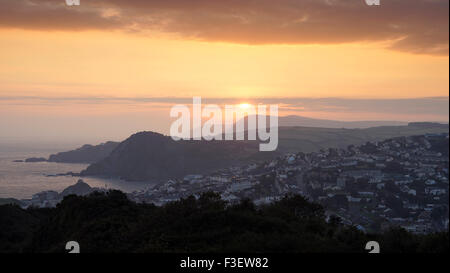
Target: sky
110, 68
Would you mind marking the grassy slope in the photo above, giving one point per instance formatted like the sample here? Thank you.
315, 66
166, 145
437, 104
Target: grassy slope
308, 139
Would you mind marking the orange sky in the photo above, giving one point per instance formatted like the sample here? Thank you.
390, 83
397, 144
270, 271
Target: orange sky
337, 53
233, 48
115, 64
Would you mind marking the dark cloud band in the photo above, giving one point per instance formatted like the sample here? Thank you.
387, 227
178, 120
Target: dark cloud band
416, 26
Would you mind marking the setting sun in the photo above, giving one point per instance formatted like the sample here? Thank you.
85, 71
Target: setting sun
244, 105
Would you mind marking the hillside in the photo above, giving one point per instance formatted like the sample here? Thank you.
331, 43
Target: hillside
150, 156
308, 139
85, 154
5, 201
295, 121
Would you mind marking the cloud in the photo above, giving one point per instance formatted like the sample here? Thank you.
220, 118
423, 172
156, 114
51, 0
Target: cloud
416, 26
438, 106
52, 15
431, 106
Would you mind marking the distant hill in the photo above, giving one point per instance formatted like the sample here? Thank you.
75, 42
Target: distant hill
428, 125
309, 139
149, 156
299, 121
294, 121
11, 201
85, 154
34, 159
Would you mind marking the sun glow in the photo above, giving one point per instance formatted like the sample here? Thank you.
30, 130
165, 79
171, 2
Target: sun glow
244, 106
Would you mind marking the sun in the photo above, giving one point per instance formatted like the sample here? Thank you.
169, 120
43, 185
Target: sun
244, 105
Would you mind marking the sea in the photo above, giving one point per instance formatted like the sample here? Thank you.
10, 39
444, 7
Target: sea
21, 180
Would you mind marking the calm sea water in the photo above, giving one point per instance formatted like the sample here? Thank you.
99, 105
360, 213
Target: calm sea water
22, 180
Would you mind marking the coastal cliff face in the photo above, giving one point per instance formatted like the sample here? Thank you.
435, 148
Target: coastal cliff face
85, 154
149, 156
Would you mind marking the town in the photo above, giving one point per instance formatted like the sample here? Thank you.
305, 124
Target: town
397, 182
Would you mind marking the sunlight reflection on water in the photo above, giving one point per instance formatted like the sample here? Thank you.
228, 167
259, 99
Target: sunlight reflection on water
22, 180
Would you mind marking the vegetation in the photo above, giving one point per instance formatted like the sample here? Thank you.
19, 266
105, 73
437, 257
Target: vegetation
148, 156
110, 222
